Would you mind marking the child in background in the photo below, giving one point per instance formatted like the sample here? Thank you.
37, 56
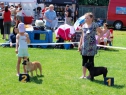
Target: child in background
12, 39
22, 40
106, 35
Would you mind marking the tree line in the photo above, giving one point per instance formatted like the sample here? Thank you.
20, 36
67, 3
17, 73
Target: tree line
94, 2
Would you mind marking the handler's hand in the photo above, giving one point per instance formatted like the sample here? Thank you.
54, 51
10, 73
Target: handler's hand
79, 48
16, 51
10, 44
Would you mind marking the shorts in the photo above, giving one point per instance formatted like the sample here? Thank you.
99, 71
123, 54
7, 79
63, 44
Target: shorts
19, 18
68, 20
87, 59
23, 52
105, 39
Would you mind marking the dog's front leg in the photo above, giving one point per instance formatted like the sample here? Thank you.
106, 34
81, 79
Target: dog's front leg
92, 78
92, 75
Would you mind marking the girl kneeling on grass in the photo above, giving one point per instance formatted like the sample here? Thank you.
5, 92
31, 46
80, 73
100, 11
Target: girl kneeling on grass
12, 39
22, 40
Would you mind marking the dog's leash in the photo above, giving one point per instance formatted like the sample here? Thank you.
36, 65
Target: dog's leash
112, 47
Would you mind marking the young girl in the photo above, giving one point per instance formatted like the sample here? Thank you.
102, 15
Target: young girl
22, 40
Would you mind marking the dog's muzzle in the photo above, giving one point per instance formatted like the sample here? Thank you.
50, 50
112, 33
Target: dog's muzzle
24, 62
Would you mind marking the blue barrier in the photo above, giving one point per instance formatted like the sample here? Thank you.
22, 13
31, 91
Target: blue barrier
50, 33
38, 36
30, 34
67, 46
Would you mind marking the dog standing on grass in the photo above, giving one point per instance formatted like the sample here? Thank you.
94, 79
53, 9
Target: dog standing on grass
31, 66
96, 71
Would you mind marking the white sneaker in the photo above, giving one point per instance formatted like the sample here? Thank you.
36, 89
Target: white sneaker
17, 75
83, 77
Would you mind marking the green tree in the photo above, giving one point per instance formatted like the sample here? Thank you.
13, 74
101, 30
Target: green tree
102, 2
94, 2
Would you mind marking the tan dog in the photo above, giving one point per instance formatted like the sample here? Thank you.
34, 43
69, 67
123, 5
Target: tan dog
31, 66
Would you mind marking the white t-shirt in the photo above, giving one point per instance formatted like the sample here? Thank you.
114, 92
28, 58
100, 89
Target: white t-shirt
22, 42
19, 13
12, 11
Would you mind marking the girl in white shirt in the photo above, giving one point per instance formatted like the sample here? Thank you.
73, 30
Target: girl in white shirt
22, 40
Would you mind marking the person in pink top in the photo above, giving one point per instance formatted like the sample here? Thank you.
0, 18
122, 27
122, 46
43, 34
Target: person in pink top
7, 21
106, 36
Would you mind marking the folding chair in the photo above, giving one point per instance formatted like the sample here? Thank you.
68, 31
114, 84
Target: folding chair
111, 37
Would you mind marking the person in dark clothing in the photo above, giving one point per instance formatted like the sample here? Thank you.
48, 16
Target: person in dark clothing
76, 15
1, 19
68, 15
12, 39
60, 40
6, 22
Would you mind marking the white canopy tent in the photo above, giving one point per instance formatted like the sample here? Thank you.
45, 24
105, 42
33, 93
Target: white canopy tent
27, 5
17, 1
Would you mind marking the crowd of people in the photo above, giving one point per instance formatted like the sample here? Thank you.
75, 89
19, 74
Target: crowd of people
13, 15
9, 15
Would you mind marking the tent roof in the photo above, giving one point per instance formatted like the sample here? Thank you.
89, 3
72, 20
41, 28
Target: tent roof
18, 1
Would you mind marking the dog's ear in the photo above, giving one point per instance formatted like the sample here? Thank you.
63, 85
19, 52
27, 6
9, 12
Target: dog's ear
24, 62
90, 64
86, 64
28, 59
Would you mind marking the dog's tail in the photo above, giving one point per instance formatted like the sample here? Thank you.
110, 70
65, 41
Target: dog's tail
105, 72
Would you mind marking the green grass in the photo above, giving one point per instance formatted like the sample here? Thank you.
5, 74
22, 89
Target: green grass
61, 72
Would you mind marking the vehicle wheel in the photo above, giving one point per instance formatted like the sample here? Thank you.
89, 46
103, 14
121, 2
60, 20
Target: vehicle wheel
118, 25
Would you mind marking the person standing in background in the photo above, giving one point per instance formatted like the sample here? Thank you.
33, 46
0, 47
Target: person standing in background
38, 13
12, 9
7, 21
76, 15
18, 14
43, 10
1, 19
44, 13
68, 15
50, 17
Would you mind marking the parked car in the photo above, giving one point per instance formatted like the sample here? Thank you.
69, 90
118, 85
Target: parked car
116, 15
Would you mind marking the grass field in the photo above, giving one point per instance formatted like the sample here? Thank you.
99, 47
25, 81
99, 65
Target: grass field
62, 69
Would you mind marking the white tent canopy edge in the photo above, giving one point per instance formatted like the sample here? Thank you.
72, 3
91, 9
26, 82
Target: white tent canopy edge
17, 1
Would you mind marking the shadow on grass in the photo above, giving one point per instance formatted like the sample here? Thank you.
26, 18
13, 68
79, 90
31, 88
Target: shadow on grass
115, 85
107, 49
52, 47
123, 29
37, 79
